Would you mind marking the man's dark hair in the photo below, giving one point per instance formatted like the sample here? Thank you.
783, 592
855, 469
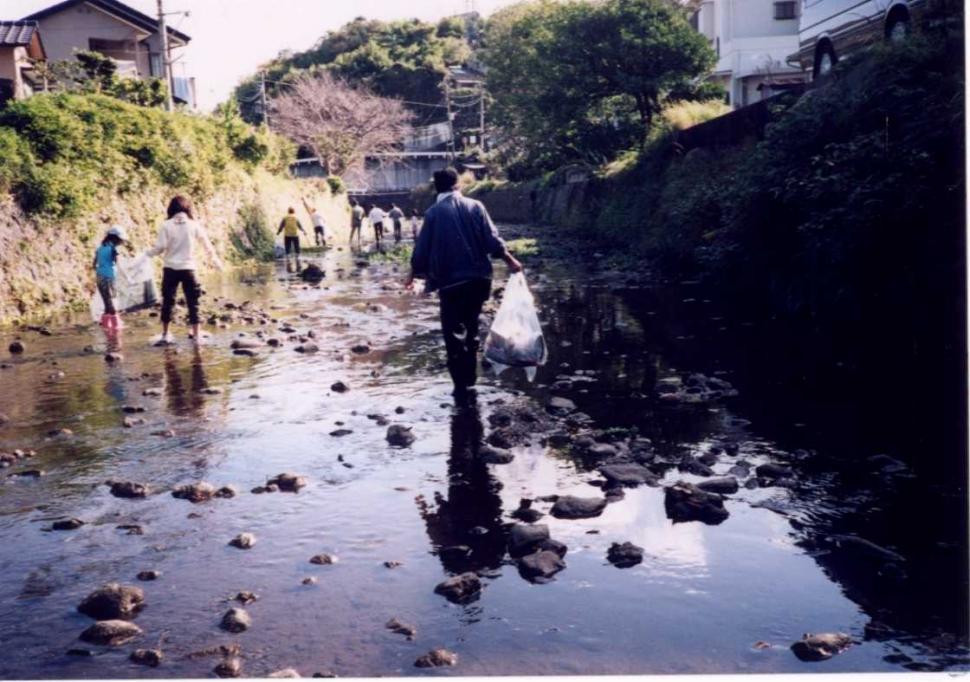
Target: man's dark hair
180, 204
445, 180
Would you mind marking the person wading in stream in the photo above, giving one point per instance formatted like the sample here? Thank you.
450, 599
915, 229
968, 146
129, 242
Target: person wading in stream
452, 256
290, 227
176, 241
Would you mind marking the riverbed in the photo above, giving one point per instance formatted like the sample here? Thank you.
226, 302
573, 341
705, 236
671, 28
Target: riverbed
791, 557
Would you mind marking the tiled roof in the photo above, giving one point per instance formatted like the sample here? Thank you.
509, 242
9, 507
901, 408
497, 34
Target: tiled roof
16, 33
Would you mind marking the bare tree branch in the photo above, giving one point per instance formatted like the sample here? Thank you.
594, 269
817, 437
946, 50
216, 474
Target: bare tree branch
339, 122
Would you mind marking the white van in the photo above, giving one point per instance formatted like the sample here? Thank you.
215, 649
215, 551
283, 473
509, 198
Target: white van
831, 29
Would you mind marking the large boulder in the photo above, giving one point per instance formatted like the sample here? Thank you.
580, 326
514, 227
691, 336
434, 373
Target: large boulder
686, 502
113, 601
726, 485
460, 588
571, 507
560, 407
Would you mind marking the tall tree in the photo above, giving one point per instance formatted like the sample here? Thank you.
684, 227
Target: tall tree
576, 80
340, 123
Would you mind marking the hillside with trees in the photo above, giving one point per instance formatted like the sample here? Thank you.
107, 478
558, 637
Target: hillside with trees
404, 60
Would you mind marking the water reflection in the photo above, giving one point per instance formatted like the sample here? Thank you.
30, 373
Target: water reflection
465, 527
184, 395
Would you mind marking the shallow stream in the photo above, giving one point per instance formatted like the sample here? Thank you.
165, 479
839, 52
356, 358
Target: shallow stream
727, 598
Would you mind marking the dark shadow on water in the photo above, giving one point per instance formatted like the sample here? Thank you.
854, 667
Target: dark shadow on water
470, 515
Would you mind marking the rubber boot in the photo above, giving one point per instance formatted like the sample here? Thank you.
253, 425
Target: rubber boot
116, 321
105, 323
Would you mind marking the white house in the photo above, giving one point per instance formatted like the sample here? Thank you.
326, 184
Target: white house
752, 39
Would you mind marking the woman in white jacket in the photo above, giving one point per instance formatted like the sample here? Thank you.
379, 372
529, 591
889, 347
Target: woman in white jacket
177, 241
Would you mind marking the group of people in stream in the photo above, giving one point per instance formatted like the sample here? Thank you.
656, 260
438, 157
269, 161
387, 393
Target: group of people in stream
452, 254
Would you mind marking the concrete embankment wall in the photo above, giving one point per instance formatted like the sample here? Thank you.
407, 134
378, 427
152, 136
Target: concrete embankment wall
569, 200
46, 266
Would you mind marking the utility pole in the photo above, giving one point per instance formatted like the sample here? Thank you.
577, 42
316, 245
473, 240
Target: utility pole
481, 117
451, 122
166, 60
262, 97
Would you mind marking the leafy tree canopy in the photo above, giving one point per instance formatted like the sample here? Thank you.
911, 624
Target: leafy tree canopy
580, 81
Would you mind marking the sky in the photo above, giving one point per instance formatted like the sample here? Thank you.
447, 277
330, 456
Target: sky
230, 38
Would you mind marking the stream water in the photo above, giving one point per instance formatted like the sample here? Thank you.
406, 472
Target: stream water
702, 598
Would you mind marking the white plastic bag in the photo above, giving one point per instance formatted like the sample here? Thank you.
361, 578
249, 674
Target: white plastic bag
134, 287
515, 339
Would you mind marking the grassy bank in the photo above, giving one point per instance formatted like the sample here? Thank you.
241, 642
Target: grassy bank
71, 165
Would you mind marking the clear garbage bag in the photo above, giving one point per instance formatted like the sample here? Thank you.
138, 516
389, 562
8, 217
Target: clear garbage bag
515, 338
134, 287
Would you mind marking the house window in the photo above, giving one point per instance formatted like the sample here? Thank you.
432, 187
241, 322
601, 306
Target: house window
155, 64
787, 9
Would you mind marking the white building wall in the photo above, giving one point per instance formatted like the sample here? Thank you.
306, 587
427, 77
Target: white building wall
751, 44
72, 29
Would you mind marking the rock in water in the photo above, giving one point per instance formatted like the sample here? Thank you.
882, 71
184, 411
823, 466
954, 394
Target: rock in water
312, 273
686, 502
493, 455
230, 667
243, 541
360, 349
323, 559
128, 489
773, 471
113, 601
560, 407
113, 357
624, 555
460, 588
436, 658
236, 620
727, 485
399, 436
149, 657
541, 565
16, 347
195, 492
67, 524
524, 538
288, 483
284, 673
148, 575
246, 597
307, 347
111, 632
630, 475
339, 387
396, 626
821, 647
570, 507
526, 513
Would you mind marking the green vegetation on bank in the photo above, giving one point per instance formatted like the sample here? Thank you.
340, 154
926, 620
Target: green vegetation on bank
60, 154
854, 196
579, 82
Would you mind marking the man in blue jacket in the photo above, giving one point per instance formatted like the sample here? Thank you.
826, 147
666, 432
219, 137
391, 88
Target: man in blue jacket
452, 255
